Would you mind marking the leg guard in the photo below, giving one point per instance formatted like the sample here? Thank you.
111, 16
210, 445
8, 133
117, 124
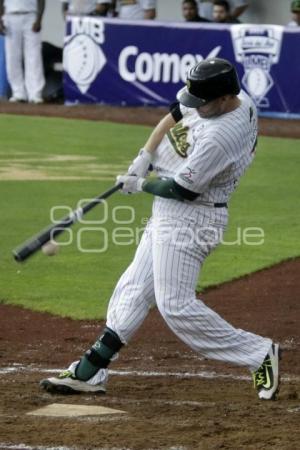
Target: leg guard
99, 355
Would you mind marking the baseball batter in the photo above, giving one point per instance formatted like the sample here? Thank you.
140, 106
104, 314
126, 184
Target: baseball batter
199, 151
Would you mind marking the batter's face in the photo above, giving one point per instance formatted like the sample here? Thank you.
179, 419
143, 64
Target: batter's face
213, 109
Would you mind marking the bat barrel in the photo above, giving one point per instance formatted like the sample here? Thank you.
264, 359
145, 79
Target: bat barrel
34, 244
30, 247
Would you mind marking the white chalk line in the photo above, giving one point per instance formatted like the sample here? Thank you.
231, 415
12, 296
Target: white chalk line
204, 404
28, 447
6, 446
136, 373
40, 447
200, 374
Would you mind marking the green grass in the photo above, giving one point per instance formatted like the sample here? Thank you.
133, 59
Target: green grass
79, 284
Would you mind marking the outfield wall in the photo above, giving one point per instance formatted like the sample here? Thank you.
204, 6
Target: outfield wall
145, 63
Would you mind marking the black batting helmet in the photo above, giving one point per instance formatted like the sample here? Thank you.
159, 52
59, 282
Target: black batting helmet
208, 80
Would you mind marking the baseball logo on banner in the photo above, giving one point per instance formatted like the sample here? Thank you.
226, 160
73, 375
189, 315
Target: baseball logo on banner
257, 48
83, 57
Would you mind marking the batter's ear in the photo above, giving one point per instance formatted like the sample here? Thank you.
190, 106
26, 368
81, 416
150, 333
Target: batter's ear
225, 98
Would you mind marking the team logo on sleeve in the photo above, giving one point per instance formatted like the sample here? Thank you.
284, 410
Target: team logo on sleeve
188, 175
178, 138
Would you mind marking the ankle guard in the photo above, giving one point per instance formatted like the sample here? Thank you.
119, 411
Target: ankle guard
99, 355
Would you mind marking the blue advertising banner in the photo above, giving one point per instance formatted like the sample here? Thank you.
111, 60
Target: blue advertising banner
145, 63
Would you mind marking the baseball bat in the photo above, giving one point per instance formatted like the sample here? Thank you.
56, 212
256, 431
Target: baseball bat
31, 246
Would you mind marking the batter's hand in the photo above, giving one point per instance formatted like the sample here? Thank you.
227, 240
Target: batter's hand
131, 183
140, 164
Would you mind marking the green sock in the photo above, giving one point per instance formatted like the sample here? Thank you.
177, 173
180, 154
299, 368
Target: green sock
86, 369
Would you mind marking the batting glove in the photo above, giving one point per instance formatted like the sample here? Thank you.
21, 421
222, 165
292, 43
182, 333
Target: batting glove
140, 164
131, 183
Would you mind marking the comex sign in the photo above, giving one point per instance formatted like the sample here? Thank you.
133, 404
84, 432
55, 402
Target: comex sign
157, 67
84, 58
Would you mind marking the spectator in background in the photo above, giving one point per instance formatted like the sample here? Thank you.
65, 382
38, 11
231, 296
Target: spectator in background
136, 9
295, 10
221, 12
237, 8
86, 7
190, 12
21, 23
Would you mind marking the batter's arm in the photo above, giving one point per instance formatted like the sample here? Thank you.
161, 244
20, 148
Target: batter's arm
159, 132
161, 188
168, 189
141, 163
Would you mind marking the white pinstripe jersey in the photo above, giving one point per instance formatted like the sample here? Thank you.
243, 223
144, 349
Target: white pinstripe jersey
208, 156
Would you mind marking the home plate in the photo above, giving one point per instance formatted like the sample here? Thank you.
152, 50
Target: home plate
67, 410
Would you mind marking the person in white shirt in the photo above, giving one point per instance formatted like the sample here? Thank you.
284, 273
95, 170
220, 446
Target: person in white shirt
237, 8
295, 10
86, 7
21, 23
136, 9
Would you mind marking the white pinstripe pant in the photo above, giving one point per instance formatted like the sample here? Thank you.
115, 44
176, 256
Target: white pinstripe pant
165, 270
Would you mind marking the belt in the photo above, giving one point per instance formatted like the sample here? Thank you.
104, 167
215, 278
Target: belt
220, 205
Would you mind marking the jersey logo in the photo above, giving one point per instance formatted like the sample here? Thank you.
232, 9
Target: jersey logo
178, 138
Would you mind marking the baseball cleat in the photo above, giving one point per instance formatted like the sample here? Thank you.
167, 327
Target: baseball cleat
266, 378
67, 383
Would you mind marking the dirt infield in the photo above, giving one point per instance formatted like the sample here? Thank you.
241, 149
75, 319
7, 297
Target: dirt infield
173, 399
